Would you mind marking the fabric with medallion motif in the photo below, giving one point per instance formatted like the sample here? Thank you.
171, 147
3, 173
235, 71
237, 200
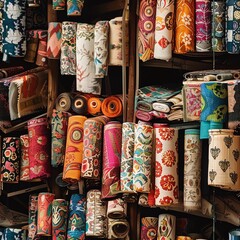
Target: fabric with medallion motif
149, 228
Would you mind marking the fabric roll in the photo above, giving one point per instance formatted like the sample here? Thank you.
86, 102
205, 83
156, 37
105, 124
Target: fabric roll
143, 199
44, 215
59, 5
234, 234
74, 7
59, 124
64, 102
111, 159
192, 170
236, 75
96, 220
214, 105
149, 228
10, 159
68, 48
77, 217
118, 228
112, 106
144, 106
183, 238
146, 29
86, 80
218, 26
127, 153
32, 46
10, 71
54, 40
166, 226
32, 217
101, 39
14, 233
144, 116
24, 160
59, 218
166, 166
94, 106
79, 104
14, 29
33, 3
74, 149
41, 59
117, 209
185, 27
224, 76
223, 165
39, 148
142, 158
164, 30
92, 184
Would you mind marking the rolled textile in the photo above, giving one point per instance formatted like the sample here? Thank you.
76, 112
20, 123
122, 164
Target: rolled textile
192, 199
10, 159
149, 228
24, 160
112, 106
127, 152
74, 7
44, 215
41, 59
79, 104
59, 124
96, 220
142, 158
77, 217
118, 228
64, 102
32, 46
144, 106
175, 115
143, 199
94, 106
33, 3
101, 39
183, 238
116, 209
111, 159
14, 29
39, 148
224, 76
218, 26
59, 5
236, 75
59, 218
14, 233
146, 29
234, 234
54, 40
223, 165
164, 30
74, 149
159, 115
144, 116
32, 217
185, 27
166, 226
68, 48
92, 183
214, 105
10, 71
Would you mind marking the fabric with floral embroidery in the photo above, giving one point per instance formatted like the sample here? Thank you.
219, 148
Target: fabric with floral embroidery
166, 227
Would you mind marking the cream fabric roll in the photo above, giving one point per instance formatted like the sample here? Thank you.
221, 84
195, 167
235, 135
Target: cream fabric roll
166, 227
117, 209
117, 228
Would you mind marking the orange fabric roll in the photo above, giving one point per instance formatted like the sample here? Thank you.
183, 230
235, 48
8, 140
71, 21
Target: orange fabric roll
94, 106
112, 106
74, 149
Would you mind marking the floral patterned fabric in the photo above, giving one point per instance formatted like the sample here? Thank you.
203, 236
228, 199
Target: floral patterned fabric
166, 227
149, 228
24, 161
59, 4
74, 7
117, 208
32, 217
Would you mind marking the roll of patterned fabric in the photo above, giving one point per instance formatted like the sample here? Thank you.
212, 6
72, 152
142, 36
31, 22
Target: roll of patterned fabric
118, 228
192, 198
166, 226
144, 116
127, 152
117, 209
86, 80
166, 165
164, 30
214, 107
223, 165
24, 160
59, 218
149, 228
68, 48
10, 71
14, 233
59, 123
41, 59
74, 149
32, 46
33, 3
143, 199
39, 148
101, 35
11, 155
14, 27
224, 76
142, 158
218, 26
79, 104
96, 220
203, 26
185, 27
64, 102
77, 217
112, 106
94, 106
74, 7
54, 40
146, 29
44, 215
144, 106
32, 217
59, 5
111, 159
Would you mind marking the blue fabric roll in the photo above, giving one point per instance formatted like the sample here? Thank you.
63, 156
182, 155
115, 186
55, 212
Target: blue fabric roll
14, 233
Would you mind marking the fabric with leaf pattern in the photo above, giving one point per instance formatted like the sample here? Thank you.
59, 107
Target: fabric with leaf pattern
166, 227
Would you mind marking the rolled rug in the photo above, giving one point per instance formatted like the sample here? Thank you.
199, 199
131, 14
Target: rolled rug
32, 216
149, 228
80, 104
116, 209
166, 226
24, 160
64, 102
59, 5
94, 106
10, 71
41, 59
118, 228
32, 46
112, 106
74, 7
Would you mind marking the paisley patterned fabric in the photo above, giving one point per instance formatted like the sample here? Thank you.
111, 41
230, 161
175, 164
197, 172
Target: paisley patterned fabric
118, 228
164, 30
166, 227
15, 233
74, 7
77, 217
224, 164
146, 29
32, 45
149, 228
24, 161
41, 59
32, 217
10, 160
44, 219
59, 218
192, 170
59, 4
117, 208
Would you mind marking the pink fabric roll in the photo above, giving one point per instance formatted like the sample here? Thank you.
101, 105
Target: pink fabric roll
24, 161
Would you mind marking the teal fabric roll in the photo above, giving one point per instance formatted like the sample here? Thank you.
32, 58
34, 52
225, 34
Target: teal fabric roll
14, 233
